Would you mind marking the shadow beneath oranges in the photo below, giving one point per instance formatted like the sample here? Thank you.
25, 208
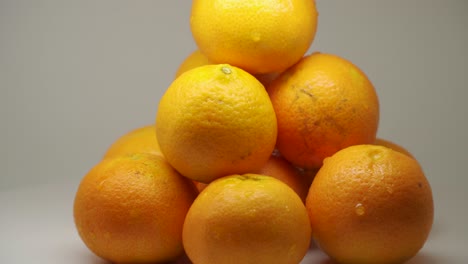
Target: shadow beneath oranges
424, 258
92, 259
99, 261
438, 228
82, 254
181, 260
420, 258
328, 261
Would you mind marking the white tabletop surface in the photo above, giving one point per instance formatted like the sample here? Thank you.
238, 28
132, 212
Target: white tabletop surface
36, 226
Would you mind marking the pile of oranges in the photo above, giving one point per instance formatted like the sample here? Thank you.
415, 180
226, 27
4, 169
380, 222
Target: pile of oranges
257, 150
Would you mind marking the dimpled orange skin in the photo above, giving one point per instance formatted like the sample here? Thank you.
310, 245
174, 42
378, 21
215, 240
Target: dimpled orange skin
131, 209
259, 36
323, 104
216, 120
247, 219
139, 140
370, 204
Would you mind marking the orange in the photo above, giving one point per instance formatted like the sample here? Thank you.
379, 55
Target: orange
258, 36
200, 185
277, 167
139, 140
370, 204
307, 174
131, 209
323, 103
195, 59
267, 78
392, 145
216, 120
247, 219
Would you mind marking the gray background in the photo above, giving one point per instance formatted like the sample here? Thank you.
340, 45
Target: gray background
76, 75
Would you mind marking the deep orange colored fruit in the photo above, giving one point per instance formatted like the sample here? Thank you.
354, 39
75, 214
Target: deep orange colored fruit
370, 204
131, 209
216, 120
267, 78
259, 36
279, 168
307, 174
200, 185
139, 140
392, 145
247, 219
323, 104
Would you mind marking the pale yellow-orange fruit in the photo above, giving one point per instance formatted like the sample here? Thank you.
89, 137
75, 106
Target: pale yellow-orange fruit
259, 36
216, 120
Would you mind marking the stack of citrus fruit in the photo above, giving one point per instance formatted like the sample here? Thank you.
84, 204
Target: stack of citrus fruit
257, 148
